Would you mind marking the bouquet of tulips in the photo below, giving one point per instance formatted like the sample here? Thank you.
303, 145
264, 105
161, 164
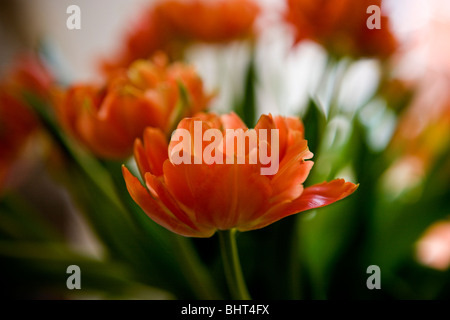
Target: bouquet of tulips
157, 193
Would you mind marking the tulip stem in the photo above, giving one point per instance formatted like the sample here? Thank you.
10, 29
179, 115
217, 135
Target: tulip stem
232, 265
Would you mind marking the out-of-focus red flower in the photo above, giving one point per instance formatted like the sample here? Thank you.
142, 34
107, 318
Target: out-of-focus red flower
209, 21
170, 25
148, 36
433, 248
423, 130
17, 121
427, 143
196, 200
30, 74
341, 27
150, 93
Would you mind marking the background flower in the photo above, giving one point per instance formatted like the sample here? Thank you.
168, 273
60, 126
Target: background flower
108, 118
172, 24
341, 27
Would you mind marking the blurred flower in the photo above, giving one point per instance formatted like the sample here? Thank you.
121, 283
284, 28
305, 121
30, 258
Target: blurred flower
423, 130
425, 144
150, 93
433, 248
17, 120
148, 36
170, 25
31, 75
341, 27
198, 199
209, 21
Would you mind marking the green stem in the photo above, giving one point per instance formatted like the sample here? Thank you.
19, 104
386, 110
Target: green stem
194, 270
246, 107
232, 265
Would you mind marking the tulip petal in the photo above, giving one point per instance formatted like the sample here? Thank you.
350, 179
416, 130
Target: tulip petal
151, 154
141, 157
155, 146
293, 170
323, 194
159, 191
206, 189
288, 182
102, 136
284, 126
232, 121
221, 195
316, 196
265, 122
155, 210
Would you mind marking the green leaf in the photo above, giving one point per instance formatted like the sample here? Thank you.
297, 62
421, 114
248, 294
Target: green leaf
246, 108
30, 270
21, 221
314, 121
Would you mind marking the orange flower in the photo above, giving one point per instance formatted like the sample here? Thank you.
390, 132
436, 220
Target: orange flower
148, 36
170, 25
108, 119
209, 21
196, 200
17, 121
341, 27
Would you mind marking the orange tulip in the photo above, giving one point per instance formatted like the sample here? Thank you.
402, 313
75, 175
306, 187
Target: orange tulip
196, 200
170, 25
150, 93
341, 27
148, 36
209, 21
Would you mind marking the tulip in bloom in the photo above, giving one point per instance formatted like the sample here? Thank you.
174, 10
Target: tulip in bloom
341, 27
150, 93
196, 200
209, 21
172, 24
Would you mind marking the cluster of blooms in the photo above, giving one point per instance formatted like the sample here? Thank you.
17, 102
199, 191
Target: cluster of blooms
147, 94
173, 24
